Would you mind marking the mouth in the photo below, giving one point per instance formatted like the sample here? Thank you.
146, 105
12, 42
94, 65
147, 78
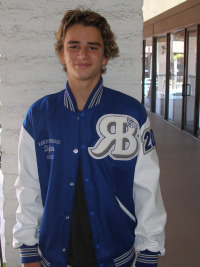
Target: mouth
83, 65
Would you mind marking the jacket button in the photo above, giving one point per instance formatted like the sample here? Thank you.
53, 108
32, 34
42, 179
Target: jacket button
92, 213
64, 249
71, 184
67, 217
75, 151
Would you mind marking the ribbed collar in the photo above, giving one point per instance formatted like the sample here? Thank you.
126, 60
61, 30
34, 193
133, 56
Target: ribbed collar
93, 100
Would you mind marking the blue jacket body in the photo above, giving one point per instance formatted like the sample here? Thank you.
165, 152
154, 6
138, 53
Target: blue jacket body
114, 141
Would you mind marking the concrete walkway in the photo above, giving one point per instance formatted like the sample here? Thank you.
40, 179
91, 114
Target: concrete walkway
179, 155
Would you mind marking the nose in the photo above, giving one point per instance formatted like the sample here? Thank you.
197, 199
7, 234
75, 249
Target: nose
82, 53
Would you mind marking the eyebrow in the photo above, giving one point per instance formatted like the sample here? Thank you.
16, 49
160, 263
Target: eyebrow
90, 43
93, 43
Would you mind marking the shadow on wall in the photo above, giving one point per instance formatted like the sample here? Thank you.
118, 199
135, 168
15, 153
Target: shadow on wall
2, 237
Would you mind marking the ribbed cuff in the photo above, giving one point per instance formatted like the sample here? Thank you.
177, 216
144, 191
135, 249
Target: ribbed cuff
29, 254
147, 258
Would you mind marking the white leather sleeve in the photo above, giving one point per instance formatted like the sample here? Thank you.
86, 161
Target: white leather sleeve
30, 209
149, 208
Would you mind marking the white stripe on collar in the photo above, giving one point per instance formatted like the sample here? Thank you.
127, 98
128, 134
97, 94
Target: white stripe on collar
68, 102
94, 102
97, 96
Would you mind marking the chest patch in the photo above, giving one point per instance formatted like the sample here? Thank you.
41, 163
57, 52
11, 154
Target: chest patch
118, 138
49, 147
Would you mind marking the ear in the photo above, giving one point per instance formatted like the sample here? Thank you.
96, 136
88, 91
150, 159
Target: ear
62, 59
105, 61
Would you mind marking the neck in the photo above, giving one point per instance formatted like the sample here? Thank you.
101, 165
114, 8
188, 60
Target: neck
81, 91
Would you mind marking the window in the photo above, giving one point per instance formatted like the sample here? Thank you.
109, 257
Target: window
160, 75
176, 77
148, 74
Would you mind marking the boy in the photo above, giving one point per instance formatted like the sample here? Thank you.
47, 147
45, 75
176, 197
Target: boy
88, 185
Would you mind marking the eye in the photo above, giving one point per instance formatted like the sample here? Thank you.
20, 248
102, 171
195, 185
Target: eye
73, 47
93, 48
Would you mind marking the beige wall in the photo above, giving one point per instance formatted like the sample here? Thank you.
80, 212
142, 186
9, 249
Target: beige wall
181, 16
152, 8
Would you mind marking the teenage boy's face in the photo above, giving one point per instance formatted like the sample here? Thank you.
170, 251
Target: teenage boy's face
83, 53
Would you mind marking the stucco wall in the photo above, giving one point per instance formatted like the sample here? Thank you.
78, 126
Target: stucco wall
30, 70
152, 8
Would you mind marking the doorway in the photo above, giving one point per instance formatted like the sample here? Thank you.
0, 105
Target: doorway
189, 87
176, 77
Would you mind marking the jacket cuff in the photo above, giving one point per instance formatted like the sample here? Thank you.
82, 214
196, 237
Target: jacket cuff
147, 258
29, 254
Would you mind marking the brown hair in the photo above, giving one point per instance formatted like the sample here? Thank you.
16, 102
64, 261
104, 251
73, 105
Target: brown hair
87, 18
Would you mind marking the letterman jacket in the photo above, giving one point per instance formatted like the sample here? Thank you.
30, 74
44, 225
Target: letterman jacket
120, 171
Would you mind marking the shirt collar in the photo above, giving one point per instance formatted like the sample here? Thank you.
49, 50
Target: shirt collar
93, 100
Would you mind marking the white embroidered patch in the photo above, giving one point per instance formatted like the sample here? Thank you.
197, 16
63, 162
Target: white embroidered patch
49, 147
118, 138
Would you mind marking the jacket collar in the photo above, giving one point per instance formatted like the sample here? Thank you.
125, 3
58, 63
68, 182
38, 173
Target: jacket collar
93, 100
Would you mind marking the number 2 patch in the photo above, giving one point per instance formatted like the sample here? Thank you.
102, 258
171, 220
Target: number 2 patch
148, 141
